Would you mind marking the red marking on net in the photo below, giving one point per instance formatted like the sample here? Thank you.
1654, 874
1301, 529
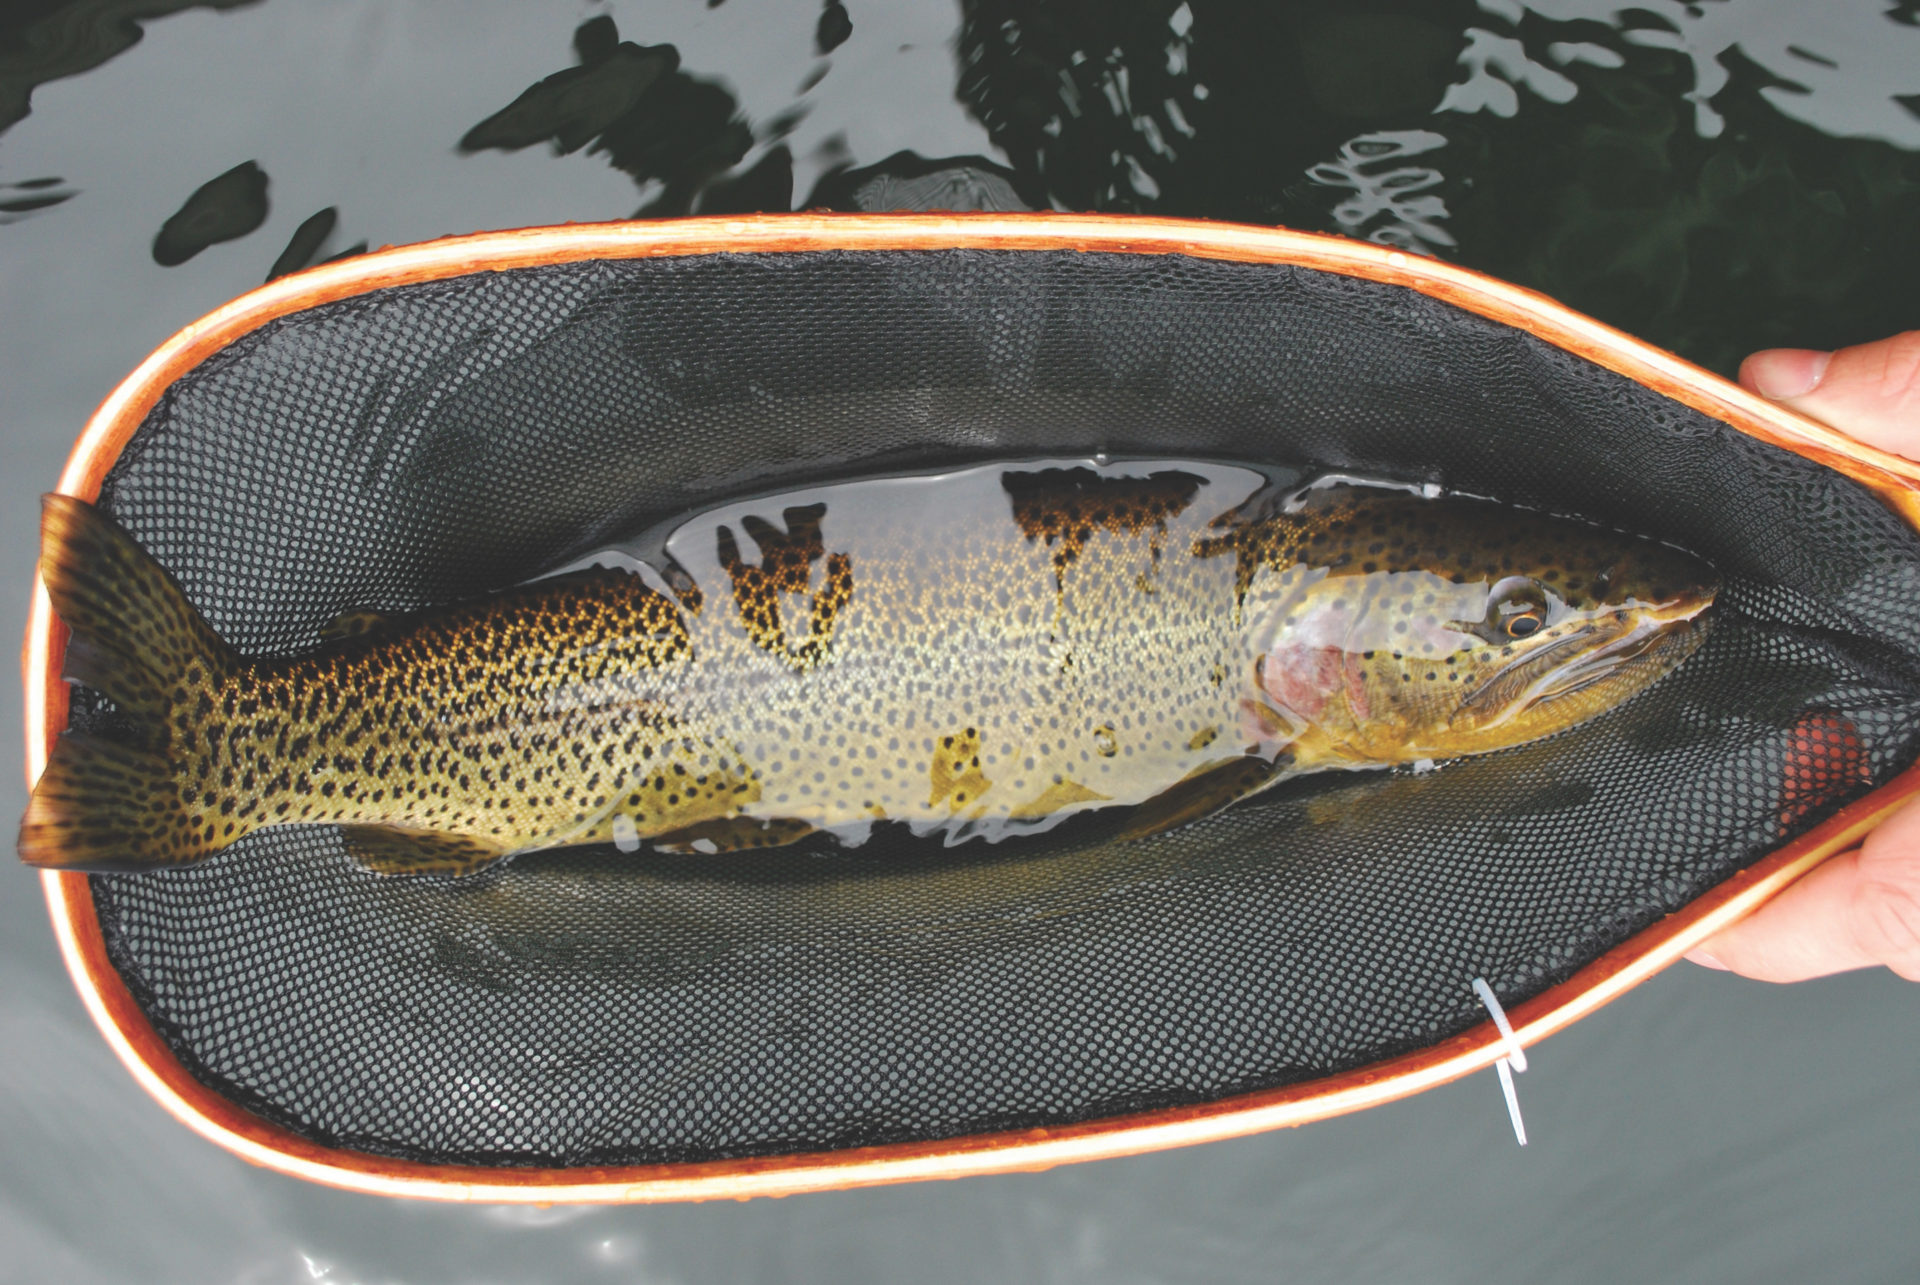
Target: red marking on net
1825, 761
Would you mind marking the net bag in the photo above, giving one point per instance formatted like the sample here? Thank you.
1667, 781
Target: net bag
429, 423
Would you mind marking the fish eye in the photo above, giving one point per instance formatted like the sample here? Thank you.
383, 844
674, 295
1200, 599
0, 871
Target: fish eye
1516, 608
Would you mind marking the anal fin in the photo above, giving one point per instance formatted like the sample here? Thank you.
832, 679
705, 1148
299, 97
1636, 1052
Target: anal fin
396, 850
1203, 793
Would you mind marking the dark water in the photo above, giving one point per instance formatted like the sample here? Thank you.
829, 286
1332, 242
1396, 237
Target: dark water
1713, 177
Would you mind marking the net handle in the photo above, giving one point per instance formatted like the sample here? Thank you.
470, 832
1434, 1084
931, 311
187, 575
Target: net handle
121, 1021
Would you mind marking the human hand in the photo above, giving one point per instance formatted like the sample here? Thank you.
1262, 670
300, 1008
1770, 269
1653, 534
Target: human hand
1870, 391
1861, 908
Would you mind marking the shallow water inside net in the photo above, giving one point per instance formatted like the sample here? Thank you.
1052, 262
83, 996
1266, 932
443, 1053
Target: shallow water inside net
1714, 178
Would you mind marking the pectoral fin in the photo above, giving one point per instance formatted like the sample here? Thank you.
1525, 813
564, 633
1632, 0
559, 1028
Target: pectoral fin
393, 850
734, 834
1204, 793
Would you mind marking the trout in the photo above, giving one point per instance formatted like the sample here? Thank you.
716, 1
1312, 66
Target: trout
978, 654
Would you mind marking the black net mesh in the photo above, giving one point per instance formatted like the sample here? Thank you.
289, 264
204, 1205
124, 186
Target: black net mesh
429, 442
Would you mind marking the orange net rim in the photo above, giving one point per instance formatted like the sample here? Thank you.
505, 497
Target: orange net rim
127, 1030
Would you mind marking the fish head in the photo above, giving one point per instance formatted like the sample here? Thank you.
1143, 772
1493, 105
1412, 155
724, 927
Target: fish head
1410, 628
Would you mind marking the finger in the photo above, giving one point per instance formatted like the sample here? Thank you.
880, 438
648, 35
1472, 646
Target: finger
1859, 910
1886, 906
1797, 935
1869, 391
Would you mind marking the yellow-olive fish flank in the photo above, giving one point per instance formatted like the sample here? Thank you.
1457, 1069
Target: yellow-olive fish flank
977, 654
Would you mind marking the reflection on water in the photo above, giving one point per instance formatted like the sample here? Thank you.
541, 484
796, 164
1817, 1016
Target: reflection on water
308, 242
574, 106
673, 132
43, 40
1495, 65
221, 209
1721, 177
1670, 168
1390, 205
1824, 64
30, 196
907, 181
1713, 177
1093, 101
834, 29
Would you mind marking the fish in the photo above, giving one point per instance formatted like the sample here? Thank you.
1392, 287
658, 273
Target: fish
977, 655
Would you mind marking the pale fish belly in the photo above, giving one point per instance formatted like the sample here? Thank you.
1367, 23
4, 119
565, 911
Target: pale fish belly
905, 651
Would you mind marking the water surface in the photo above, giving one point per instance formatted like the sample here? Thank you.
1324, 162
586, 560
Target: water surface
1713, 177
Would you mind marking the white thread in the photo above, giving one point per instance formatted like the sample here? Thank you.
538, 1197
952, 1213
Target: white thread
1516, 1052
1513, 1100
1513, 1063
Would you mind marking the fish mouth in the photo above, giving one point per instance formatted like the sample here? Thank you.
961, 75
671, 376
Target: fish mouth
1645, 645
1659, 640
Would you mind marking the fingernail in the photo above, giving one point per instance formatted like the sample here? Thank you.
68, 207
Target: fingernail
1781, 373
1707, 960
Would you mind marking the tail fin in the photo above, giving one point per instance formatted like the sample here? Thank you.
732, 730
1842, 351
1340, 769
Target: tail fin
101, 804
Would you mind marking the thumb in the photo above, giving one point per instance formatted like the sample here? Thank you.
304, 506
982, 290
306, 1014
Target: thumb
1869, 391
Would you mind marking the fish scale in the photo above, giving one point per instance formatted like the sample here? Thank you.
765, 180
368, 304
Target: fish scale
977, 654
